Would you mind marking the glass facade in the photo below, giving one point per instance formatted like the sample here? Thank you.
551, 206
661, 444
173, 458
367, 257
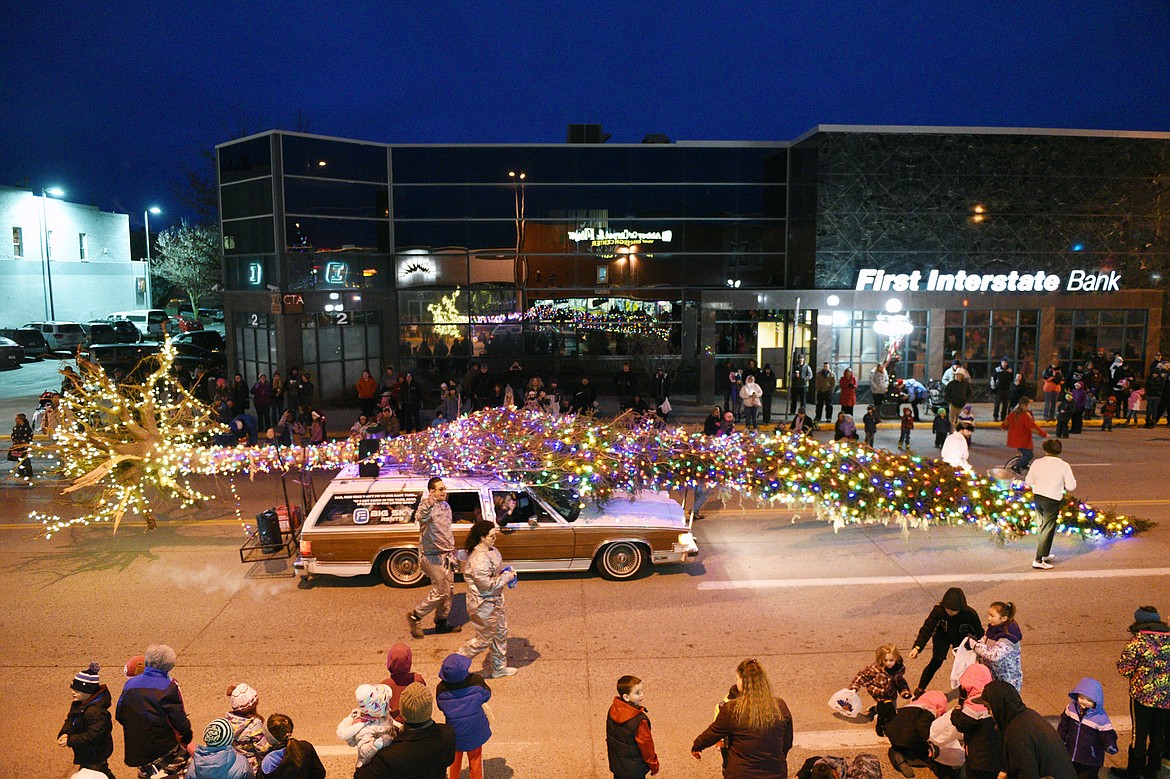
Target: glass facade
853, 343
982, 338
1080, 333
337, 347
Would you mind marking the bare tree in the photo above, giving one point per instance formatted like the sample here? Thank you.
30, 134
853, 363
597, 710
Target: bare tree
189, 256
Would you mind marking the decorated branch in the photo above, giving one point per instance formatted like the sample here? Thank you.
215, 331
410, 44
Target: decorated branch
134, 447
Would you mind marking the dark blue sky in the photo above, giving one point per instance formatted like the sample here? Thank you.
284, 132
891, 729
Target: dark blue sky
112, 100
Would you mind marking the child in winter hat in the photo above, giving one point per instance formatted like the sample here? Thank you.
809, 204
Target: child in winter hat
88, 729
135, 666
1086, 729
369, 727
247, 724
216, 758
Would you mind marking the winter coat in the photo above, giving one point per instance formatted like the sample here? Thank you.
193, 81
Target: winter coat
751, 754
711, 425
951, 629
262, 394
1020, 426
1001, 380
981, 739
461, 696
398, 663
628, 741
278, 764
958, 393
751, 393
848, 385
218, 763
879, 382
1088, 734
882, 683
153, 717
864, 766
940, 425
909, 730
1032, 748
89, 728
367, 388
249, 738
411, 395
825, 381
368, 734
423, 752
1145, 661
999, 650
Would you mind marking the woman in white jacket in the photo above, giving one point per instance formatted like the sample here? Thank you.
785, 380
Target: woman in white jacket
486, 576
751, 395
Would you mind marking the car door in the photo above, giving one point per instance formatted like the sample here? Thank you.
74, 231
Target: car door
536, 538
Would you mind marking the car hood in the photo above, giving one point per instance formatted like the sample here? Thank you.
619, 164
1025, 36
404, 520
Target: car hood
649, 508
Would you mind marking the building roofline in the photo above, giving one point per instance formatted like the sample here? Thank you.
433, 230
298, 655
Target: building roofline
957, 130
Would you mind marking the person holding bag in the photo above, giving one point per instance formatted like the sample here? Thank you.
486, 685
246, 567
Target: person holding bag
948, 623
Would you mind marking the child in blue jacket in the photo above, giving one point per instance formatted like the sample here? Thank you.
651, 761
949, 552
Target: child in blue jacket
1086, 730
462, 697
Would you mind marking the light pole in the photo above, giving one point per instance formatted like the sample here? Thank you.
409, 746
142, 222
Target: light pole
520, 269
46, 260
146, 218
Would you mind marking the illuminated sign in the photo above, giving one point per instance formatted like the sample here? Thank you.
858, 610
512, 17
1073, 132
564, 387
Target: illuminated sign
336, 272
599, 236
255, 273
876, 280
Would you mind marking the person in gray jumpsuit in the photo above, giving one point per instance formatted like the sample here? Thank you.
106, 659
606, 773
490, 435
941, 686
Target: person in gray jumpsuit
486, 577
437, 557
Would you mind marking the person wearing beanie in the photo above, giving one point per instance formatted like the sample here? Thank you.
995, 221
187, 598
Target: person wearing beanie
1145, 661
423, 750
247, 724
463, 697
948, 623
398, 663
155, 727
217, 759
290, 758
88, 729
135, 665
1031, 747
369, 726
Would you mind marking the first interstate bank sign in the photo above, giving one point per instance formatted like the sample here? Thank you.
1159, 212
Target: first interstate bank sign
876, 280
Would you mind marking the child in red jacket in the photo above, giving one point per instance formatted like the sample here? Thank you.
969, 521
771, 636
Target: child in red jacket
627, 733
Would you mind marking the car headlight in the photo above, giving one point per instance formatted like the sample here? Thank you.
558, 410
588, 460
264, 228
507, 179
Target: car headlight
686, 539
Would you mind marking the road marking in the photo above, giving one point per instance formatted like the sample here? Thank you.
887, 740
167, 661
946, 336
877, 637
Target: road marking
861, 581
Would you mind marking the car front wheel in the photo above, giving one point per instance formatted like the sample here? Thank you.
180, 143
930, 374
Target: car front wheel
621, 561
401, 568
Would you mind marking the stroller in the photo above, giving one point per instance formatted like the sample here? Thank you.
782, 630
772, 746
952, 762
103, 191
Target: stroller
934, 393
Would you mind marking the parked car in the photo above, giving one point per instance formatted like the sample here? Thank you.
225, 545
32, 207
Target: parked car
30, 339
366, 524
128, 357
186, 324
61, 336
11, 353
206, 339
151, 322
126, 331
99, 332
211, 314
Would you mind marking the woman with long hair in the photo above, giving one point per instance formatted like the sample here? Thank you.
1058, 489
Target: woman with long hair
486, 577
756, 725
290, 758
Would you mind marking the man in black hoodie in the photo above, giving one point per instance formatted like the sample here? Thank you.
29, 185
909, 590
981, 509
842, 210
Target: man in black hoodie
949, 622
1031, 747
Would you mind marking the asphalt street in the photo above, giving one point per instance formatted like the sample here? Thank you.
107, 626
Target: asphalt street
810, 603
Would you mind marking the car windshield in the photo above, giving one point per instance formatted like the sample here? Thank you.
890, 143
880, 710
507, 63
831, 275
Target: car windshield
567, 503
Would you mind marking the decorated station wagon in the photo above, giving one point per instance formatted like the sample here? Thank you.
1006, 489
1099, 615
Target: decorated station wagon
366, 524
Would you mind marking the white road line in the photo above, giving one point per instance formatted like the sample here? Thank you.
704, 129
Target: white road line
942, 578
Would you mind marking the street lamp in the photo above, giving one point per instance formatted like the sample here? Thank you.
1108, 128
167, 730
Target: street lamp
50, 311
520, 269
146, 218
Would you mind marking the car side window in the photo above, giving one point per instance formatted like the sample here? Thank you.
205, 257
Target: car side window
537, 511
360, 510
465, 506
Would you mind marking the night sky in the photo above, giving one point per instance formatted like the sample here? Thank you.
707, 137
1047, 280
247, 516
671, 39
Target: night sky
112, 100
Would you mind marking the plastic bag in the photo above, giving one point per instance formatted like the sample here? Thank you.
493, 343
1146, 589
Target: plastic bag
846, 702
945, 737
964, 659
665, 406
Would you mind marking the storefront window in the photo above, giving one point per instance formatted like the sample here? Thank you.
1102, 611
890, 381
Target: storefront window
255, 341
337, 348
1081, 332
982, 338
854, 344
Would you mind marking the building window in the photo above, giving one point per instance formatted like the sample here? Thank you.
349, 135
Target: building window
854, 344
17, 242
1080, 333
82, 252
982, 338
338, 346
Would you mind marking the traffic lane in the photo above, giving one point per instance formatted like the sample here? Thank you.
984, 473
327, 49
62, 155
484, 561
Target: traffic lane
188, 590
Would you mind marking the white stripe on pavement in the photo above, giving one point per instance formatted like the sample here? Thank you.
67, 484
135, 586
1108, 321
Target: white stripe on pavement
940, 578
